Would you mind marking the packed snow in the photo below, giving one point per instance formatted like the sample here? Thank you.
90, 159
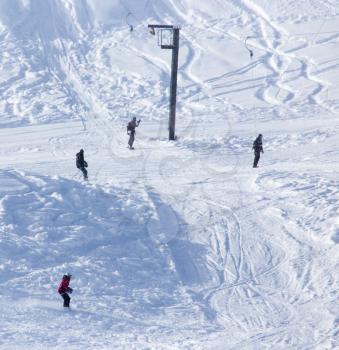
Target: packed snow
173, 245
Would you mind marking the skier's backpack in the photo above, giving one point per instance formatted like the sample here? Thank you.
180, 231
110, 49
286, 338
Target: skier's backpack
129, 126
257, 144
78, 160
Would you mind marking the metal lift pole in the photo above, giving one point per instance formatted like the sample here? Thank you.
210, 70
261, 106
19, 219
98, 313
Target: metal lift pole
174, 72
174, 79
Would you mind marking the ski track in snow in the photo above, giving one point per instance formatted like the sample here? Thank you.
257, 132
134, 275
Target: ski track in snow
173, 246
273, 88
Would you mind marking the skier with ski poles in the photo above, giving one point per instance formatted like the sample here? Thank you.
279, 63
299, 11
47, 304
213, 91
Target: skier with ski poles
131, 131
81, 163
64, 289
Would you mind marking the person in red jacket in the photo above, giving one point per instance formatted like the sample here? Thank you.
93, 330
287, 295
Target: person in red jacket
64, 289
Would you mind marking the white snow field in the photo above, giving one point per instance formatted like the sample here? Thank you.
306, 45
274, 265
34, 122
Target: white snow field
175, 245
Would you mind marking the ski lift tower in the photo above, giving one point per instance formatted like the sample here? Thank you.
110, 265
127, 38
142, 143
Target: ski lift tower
168, 39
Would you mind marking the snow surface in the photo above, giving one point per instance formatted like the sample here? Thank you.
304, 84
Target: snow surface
176, 245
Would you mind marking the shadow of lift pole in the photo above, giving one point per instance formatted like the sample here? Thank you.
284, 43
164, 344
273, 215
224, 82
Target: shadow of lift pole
174, 46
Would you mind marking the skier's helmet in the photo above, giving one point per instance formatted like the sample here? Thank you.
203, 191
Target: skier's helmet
81, 151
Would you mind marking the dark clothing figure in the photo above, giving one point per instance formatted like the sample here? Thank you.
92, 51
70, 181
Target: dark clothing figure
64, 289
67, 299
257, 146
131, 131
81, 163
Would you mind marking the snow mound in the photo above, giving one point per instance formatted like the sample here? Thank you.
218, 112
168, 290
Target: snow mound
112, 241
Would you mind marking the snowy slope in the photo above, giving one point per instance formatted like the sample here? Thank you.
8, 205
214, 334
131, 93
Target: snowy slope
176, 245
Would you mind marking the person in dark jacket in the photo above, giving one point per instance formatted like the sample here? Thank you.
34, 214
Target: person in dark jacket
131, 131
81, 163
257, 146
64, 289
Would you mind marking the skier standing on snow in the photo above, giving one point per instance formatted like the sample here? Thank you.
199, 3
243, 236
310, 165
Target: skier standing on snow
64, 289
131, 131
81, 163
257, 146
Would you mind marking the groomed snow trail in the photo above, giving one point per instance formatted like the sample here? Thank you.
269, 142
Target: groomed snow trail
174, 245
